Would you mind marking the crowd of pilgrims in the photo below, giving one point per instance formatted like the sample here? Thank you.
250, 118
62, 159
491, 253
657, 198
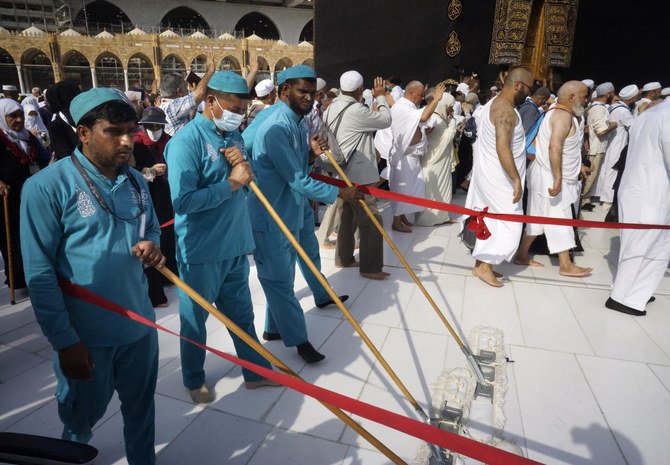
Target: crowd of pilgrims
40, 131
197, 141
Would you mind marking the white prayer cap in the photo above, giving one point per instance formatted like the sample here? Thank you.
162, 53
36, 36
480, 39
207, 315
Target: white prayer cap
350, 81
494, 88
593, 95
665, 92
335, 90
629, 91
589, 83
604, 88
264, 87
463, 88
9, 88
320, 84
651, 86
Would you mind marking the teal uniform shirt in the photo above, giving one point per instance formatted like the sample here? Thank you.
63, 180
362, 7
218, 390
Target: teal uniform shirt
66, 234
211, 221
249, 134
281, 167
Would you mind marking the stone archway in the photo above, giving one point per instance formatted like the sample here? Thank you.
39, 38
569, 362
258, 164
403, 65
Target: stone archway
263, 70
282, 64
184, 20
173, 63
230, 63
8, 71
109, 71
199, 65
36, 68
259, 24
140, 72
77, 67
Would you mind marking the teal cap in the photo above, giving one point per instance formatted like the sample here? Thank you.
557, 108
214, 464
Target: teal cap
87, 101
227, 81
296, 72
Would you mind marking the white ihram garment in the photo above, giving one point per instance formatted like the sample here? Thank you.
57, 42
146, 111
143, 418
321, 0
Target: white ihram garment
492, 187
541, 179
405, 174
617, 141
644, 197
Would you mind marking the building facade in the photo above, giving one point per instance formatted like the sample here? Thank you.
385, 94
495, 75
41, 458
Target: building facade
133, 56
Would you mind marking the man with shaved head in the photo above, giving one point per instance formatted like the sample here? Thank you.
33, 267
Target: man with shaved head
553, 178
498, 173
407, 147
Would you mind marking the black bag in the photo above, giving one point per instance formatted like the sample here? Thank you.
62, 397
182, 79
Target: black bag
468, 238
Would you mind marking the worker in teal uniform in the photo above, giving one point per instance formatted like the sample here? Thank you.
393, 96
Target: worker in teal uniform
306, 236
207, 170
281, 158
88, 218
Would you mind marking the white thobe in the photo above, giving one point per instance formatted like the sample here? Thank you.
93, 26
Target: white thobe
644, 197
617, 141
405, 175
492, 187
541, 179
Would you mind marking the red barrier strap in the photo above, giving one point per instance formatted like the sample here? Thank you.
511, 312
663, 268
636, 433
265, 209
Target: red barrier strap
167, 223
449, 207
459, 444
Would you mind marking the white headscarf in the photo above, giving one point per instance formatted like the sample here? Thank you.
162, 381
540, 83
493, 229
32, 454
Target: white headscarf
7, 107
446, 101
37, 125
368, 98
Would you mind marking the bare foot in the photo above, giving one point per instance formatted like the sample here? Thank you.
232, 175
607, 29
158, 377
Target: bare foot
497, 275
378, 276
575, 271
487, 275
528, 262
405, 221
353, 264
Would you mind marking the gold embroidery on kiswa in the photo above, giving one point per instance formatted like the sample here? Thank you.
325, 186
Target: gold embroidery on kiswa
455, 9
453, 44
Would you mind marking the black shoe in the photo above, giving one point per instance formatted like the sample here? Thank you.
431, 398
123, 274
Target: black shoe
614, 305
343, 298
271, 336
308, 353
651, 299
588, 207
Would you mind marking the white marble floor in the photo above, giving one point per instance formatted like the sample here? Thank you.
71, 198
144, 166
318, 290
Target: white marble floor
587, 386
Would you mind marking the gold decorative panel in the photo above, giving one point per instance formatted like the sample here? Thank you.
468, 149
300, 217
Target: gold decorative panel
509, 31
560, 18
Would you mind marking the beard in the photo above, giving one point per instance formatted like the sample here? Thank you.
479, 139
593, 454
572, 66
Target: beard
519, 98
578, 110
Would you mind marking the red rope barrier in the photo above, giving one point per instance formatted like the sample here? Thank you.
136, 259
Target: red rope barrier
448, 207
459, 444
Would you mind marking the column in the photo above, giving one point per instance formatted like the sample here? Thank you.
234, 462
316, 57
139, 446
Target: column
272, 76
125, 79
21, 83
94, 78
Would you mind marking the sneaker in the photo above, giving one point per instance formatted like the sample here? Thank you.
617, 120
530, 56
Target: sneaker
308, 353
343, 298
271, 336
260, 383
201, 395
619, 307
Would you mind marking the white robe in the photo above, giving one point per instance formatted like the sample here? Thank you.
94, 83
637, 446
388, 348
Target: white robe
405, 175
644, 197
541, 179
437, 166
491, 187
618, 139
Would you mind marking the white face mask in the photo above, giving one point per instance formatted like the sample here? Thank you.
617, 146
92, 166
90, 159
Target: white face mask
154, 135
229, 121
